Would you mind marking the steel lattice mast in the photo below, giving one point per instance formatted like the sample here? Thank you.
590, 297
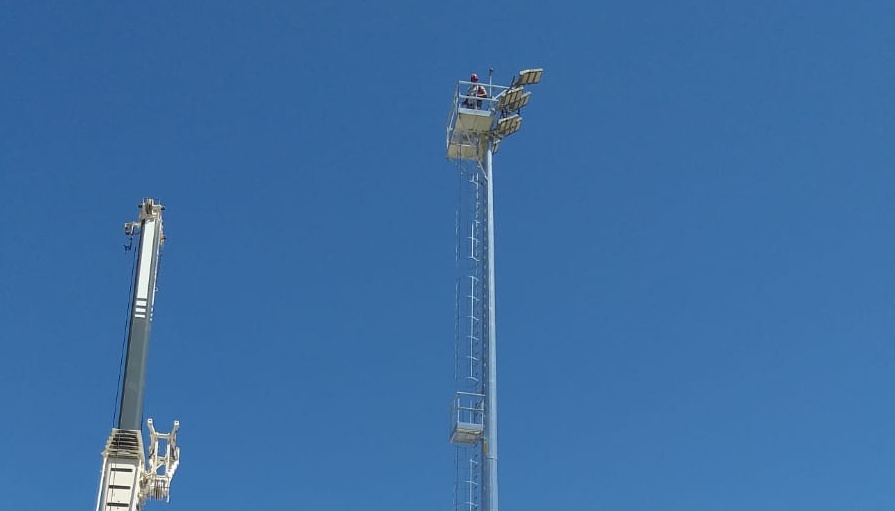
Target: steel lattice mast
481, 117
127, 479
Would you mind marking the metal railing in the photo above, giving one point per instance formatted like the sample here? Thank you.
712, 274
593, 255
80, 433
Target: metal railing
465, 95
467, 408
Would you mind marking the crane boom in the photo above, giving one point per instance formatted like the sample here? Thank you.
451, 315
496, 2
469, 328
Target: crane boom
149, 226
127, 480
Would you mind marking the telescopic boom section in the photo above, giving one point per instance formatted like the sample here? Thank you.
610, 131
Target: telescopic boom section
149, 225
128, 479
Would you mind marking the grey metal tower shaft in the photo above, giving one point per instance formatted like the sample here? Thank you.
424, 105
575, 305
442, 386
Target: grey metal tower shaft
149, 225
481, 118
489, 445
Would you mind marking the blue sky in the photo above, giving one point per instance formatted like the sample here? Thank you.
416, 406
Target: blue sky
694, 250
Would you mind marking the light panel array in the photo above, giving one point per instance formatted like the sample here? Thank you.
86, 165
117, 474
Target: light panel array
508, 125
529, 76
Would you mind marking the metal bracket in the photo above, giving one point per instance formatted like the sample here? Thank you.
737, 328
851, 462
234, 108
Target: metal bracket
155, 485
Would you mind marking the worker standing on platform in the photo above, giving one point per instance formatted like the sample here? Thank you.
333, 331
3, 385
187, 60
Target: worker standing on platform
476, 90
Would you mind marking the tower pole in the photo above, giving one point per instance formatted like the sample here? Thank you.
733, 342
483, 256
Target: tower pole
475, 129
489, 446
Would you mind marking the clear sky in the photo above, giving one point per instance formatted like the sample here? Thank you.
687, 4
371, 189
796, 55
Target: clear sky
695, 250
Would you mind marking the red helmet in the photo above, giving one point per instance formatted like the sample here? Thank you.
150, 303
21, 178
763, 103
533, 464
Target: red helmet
473, 77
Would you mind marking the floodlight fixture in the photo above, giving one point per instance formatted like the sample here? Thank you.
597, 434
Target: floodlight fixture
513, 99
521, 102
509, 96
507, 126
529, 76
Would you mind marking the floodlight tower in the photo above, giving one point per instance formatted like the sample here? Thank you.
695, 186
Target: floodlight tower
482, 116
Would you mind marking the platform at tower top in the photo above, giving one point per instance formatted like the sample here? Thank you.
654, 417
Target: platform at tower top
473, 117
